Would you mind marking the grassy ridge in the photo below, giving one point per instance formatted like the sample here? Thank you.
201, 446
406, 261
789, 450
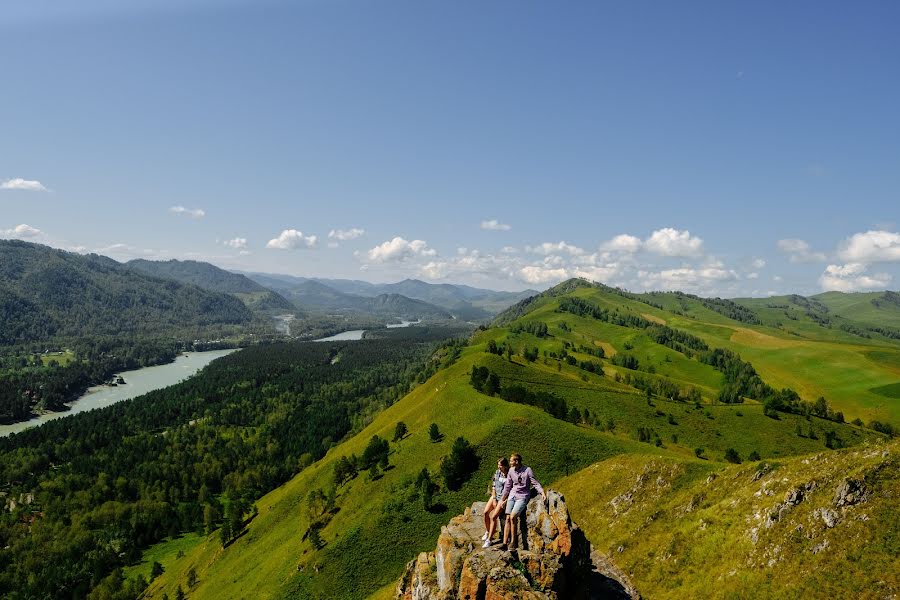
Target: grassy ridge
272, 559
681, 528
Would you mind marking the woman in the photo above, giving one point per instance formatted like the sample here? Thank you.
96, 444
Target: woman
494, 507
516, 493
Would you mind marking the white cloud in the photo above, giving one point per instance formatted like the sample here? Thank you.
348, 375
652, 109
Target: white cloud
535, 274
871, 246
28, 185
345, 234
436, 269
509, 250
622, 243
704, 280
237, 243
495, 225
22, 232
195, 213
399, 249
851, 277
758, 263
673, 242
291, 239
551, 248
800, 251
752, 275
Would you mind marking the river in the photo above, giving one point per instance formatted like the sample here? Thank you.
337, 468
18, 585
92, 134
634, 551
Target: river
357, 334
137, 382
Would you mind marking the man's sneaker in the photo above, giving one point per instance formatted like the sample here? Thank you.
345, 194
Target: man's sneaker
484, 536
486, 544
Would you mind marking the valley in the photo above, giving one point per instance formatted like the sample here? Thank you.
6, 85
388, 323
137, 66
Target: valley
277, 471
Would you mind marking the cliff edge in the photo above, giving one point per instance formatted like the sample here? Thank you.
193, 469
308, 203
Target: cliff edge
554, 560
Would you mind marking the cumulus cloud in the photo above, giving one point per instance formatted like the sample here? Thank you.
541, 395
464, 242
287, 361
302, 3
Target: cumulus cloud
237, 243
553, 248
399, 250
686, 278
343, 235
852, 277
495, 225
537, 274
194, 213
758, 263
871, 246
291, 239
800, 251
622, 243
28, 185
22, 232
673, 242
436, 269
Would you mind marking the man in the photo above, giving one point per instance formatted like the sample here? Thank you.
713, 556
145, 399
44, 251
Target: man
516, 493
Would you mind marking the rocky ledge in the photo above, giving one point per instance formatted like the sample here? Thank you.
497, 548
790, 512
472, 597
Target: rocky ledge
554, 560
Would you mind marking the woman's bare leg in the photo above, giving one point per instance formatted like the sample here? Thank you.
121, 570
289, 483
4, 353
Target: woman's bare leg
488, 518
494, 520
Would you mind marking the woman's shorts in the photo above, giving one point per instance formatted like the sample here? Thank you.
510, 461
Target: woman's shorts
515, 506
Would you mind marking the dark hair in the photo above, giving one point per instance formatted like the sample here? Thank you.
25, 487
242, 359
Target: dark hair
503, 461
517, 455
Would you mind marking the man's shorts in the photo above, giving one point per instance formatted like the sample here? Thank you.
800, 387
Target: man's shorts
515, 506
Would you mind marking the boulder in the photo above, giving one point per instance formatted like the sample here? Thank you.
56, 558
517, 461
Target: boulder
553, 560
850, 492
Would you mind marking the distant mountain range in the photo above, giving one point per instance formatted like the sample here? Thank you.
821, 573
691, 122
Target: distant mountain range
462, 301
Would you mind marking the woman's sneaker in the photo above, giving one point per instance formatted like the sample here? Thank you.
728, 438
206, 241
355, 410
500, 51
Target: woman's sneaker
486, 544
484, 537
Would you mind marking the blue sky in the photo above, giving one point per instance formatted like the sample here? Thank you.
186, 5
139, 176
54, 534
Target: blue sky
718, 148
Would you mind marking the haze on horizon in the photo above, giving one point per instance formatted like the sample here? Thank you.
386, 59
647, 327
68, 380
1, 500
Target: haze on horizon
728, 150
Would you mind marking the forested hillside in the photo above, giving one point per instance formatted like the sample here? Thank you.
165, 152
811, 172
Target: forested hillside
84, 495
48, 294
211, 277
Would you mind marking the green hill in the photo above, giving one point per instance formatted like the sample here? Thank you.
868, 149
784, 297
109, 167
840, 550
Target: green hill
212, 278
605, 429
813, 359
872, 308
49, 294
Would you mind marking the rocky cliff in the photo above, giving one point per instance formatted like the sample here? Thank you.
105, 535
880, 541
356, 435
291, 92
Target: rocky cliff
553, 560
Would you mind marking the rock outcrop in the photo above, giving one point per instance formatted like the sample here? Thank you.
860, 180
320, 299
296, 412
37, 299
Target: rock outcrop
553, 561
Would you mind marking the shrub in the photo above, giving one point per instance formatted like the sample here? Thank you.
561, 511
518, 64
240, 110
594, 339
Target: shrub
459, 464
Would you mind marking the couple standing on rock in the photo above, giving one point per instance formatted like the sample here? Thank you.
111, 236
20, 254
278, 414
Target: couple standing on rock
510, 488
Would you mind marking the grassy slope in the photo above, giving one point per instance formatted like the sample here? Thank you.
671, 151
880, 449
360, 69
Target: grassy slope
859, 307
682, 529
813, 360
272, 560
264, 562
